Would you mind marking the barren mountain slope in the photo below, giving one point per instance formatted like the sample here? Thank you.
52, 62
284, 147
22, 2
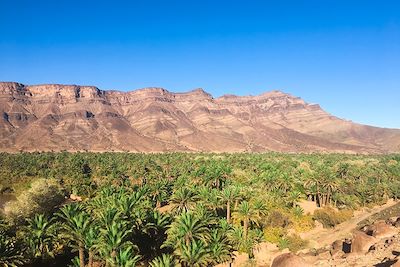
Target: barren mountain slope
70, 117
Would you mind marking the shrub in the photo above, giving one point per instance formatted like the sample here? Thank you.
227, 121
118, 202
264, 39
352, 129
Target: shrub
42, 197
330, 217
274, 234
293, 242
303, 223
278, 218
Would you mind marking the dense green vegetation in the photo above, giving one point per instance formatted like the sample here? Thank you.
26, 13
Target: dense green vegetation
176, 209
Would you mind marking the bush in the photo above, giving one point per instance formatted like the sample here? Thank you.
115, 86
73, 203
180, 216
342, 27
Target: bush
293, 242
274, 234
42, 197
278, 218
330, 217
303, 223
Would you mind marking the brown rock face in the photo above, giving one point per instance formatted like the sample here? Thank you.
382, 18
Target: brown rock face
381, 230
362, 242
70, 117
289, 260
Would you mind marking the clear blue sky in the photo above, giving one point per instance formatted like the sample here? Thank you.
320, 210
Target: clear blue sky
344, 55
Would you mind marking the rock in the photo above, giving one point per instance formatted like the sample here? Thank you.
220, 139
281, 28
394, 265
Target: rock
381, 230
338, 255
75, 197
325, 255
393, 220
289, 260
337, 245
361, 242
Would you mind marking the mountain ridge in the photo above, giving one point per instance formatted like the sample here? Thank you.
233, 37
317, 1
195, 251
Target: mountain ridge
72, 117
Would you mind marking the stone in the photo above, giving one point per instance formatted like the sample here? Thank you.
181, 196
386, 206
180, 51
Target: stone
361, 242
75, 197
381, 230
289, 260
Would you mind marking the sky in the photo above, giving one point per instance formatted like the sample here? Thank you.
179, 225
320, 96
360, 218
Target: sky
344, 55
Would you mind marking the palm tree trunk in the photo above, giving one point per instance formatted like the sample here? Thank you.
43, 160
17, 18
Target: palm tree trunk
319, 200
228, 211
81, 255
328, 200
245, 227
236, 204
90, 264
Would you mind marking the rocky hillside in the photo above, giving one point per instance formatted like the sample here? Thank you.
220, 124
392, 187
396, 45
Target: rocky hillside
69, 117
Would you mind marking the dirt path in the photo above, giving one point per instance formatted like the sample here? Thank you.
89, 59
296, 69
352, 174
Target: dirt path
319, 238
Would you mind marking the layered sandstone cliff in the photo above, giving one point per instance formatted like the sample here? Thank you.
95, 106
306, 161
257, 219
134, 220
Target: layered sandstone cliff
69, 117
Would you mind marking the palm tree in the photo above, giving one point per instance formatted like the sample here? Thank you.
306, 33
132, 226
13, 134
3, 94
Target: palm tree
40, 236
76, 224
194, 254
246, 214
209, 198
186, 228
183, 199
285, 182
124, 257
235, 236
312, 183
293, 197
330, 184
244, 244
91, 242
159, 192
153, 232
114, 237
219, 248
229, 195
165, 260
11, 254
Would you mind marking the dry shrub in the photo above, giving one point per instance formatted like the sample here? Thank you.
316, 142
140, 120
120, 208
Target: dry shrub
278, 218
42, 197
293, 242
329, 217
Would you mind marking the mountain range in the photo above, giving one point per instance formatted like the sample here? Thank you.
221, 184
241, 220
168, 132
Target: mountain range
57, 117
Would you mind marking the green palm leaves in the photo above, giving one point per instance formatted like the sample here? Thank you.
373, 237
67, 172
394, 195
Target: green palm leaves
11, 254
40, 236
76, 225
186, 228
183, 199
123, 258
246, 213
164, 260
193, 254
195, 242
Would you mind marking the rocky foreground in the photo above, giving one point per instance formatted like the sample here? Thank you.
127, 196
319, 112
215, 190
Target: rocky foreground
77, 118
377, 244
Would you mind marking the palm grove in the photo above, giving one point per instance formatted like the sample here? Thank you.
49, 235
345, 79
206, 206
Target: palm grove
176, 209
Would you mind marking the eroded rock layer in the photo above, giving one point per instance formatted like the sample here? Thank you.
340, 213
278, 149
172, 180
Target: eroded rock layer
69, 117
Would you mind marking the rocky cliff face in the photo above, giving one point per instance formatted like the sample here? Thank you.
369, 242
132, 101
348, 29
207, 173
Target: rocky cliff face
69, 117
